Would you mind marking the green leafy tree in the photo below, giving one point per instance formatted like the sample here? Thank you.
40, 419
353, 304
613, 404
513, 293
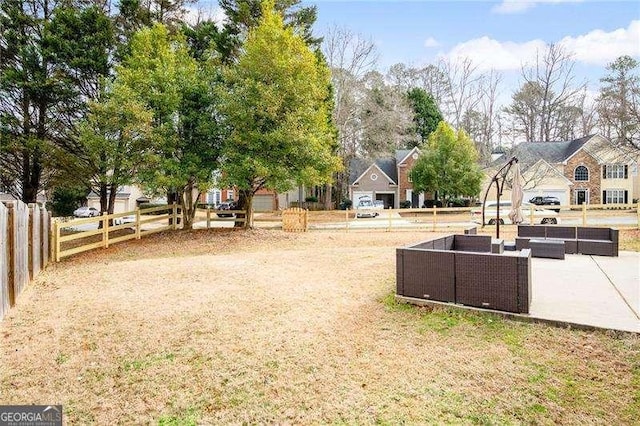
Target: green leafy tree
448, 164
116, 142
179, 93
426, 114
278, 111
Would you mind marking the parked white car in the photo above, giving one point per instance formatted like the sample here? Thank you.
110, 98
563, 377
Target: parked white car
540, 214
85, 211
124, 219
368, 208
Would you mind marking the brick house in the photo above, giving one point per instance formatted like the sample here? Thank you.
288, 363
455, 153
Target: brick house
589, 170
386, 179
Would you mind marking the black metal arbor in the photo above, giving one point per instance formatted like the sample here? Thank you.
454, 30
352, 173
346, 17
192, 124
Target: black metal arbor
501, 174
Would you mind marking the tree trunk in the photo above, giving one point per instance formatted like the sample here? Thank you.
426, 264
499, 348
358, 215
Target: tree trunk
245, 202
328, 205
113, 191
189, 204
173, 197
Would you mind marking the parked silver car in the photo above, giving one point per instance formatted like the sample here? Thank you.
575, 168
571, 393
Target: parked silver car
85, 211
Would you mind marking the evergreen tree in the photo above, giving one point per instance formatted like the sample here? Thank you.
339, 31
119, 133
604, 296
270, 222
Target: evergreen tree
619, 101
51, 59
277, 109
426, 114
244, 15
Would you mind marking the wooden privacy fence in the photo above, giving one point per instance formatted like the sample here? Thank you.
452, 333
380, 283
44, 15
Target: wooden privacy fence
295, 220
24, 248
79, 235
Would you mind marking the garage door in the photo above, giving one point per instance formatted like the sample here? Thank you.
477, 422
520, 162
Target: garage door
264, 203
560, 194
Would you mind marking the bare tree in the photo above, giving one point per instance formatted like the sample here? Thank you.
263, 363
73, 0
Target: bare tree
350, 56
553, 77
462, 89
433, 80
481, 122
386, 118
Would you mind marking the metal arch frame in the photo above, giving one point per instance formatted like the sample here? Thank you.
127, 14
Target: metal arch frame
501, 173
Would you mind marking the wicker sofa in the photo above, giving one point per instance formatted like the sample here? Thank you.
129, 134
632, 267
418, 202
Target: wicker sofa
577, 239
462, 269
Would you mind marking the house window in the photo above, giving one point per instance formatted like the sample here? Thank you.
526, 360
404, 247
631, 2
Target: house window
581, 173
230, 194
614, 196
615, 171
374, 176
409, 177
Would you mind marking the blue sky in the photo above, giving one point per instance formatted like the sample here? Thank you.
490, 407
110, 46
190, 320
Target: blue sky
502, 34
495, 34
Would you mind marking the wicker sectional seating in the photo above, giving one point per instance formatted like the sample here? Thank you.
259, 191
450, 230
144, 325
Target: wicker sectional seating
577, 239
462, 269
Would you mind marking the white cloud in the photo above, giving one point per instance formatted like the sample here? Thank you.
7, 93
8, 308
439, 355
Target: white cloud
595, 48
431, 42
488, 53
518, 6
197, 14
599, 47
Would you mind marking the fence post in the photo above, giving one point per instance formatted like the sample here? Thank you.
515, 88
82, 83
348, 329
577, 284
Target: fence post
175, 216
531, 213
208, 217
45, 230
11, 243
434, 218
30, 247
638, 207
56, 238
105, 229
138, 225
389, 228
346, 219
584, 214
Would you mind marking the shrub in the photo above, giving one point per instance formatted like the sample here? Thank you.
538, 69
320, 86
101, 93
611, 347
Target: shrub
406, 204
311, 199
66, 199
430, 203
345, 204
458, 202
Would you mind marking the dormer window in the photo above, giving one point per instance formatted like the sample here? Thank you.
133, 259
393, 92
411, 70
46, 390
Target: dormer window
581, 174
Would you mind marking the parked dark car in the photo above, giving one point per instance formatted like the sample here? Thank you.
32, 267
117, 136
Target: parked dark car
546, 201
226, 206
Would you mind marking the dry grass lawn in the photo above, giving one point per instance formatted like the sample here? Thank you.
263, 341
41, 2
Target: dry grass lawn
252, 327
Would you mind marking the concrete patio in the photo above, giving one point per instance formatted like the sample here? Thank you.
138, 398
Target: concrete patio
594, 291
582, 291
